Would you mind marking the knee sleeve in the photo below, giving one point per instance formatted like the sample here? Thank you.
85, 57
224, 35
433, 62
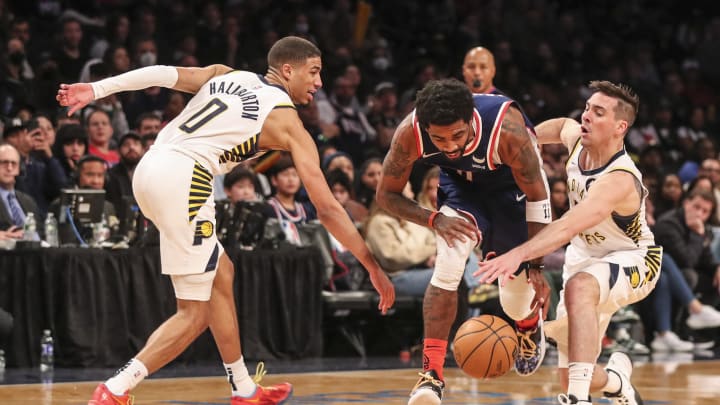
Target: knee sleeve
450, 262
516, 297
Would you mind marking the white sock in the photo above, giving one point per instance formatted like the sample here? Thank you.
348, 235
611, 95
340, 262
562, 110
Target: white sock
580, 376
614, 383
127, 377
239, 378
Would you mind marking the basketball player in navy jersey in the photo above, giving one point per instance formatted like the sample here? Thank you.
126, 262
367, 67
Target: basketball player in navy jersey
492, 192
233, 116
612, 260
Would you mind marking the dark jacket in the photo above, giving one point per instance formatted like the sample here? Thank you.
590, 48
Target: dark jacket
689, 249
27, 204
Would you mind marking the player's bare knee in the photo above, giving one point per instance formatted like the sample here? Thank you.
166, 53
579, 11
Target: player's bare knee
198, 312
581, 289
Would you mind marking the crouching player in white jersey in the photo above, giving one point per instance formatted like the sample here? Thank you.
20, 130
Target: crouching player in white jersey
611, 260
234, 116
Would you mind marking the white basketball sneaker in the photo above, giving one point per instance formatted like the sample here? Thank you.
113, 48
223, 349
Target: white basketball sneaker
621, 365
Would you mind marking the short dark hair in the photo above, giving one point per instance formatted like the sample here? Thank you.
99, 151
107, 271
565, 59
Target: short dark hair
237, 174
442, 102
628, 101
89, 159
292, 50
338, 176
282, 164
145, 116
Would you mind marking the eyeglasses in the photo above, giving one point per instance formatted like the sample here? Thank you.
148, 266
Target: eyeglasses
10, 163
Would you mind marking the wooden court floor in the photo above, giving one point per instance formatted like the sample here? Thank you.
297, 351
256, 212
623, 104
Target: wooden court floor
672, 382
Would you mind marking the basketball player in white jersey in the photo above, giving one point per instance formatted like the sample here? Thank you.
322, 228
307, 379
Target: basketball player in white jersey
234, 116
612, 260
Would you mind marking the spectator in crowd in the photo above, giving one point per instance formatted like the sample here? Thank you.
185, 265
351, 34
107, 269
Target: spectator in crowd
283, 204
384, 115
428, 194
685, 235
40, 177
321, 132
71, 145
370, 173
100, 133
710, 168
405, 250
356, 135
15, 88
119, 180
14, 204
70, 56
91, 173
111, 104
339, 160
341, 188
240, 184
47, 134
670, 195
148, 123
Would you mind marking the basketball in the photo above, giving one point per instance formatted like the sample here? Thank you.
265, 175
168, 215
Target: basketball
485, 347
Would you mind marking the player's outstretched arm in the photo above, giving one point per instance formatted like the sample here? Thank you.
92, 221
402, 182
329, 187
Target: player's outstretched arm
78, 95
283, 130
396, 172
615, 191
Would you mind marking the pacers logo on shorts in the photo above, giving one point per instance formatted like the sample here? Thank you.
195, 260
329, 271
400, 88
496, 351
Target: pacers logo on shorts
203, 230
633, 274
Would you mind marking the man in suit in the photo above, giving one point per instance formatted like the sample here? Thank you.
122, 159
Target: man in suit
14, 204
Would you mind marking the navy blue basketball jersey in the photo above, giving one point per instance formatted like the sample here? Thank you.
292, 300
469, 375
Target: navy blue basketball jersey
479, 164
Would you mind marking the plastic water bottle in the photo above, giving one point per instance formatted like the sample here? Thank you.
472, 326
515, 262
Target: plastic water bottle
30, 227
47, 351
51, 230
2, 365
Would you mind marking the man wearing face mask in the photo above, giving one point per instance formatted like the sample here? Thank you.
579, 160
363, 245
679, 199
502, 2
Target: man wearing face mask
15, 85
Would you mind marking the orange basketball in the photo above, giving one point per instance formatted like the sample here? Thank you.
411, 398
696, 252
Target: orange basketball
485, 347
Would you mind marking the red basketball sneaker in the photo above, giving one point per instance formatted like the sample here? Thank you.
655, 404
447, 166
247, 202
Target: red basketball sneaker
103, 396
273, 395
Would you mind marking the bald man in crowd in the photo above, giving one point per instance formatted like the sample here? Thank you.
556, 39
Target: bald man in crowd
478, 70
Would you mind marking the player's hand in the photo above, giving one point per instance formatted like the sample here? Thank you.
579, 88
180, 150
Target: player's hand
75, 96
542, 291
385, 288
454, 229
501, 268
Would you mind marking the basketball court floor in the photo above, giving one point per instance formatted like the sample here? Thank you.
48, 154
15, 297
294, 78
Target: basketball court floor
688, 379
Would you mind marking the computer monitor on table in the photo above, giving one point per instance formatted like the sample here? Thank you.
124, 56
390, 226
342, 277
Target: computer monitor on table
86, 206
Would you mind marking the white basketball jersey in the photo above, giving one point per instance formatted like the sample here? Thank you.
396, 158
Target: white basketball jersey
615, 233
221, 124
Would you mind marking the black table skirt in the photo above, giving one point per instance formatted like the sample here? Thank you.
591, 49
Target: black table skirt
102, 305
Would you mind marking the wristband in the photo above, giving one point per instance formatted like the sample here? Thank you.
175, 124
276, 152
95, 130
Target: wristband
431, 218
538, 211
536, 266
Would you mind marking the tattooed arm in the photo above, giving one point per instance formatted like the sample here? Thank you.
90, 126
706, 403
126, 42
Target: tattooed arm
517, 148
396, 172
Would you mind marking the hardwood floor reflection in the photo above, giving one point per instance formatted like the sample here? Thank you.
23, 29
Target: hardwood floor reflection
673, 382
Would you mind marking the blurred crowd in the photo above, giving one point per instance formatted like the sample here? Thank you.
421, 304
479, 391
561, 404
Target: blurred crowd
376, 55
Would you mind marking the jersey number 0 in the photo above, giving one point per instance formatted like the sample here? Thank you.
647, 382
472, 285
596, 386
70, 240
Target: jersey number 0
202, 117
